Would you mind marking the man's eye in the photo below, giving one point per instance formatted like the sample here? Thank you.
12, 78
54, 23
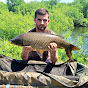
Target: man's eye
45, 20
39, 19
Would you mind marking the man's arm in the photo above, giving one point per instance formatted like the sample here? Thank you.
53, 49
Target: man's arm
53, 52
25, 52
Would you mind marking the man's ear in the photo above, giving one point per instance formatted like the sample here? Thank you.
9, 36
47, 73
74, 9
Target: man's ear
35, 20
48, 21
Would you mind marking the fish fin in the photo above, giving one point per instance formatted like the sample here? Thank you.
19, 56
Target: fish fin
58, 35
68, 52
40, 52
72, 47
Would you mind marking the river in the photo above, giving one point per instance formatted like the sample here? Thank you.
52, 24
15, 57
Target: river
80, 33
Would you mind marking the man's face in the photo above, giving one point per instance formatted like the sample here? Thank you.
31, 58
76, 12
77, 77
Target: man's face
41, 22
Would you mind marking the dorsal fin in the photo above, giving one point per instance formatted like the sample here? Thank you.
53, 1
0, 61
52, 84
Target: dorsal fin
58, 36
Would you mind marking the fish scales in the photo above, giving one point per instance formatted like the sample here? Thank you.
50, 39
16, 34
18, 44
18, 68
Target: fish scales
40, 42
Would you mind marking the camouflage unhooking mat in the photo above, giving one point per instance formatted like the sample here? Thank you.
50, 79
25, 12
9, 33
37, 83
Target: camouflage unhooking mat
38, 74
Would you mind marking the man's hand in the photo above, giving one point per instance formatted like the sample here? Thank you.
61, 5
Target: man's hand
25, 52
29, 48
52, 47
53, 52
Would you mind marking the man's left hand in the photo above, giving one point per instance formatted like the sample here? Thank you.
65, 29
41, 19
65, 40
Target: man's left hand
52, 47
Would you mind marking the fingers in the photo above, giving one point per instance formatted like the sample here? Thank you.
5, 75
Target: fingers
53, 46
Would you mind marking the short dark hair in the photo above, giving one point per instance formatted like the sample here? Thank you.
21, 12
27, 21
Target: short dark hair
41, 11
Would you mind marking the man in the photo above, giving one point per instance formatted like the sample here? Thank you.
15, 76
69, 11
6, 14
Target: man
41, 20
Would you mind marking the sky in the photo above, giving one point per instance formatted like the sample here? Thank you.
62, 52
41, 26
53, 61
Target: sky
66, 1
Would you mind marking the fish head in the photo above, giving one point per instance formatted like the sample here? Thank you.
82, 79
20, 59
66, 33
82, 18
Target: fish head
17, 41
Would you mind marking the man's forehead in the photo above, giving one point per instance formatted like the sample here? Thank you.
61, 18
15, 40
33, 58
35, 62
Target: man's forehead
42, 16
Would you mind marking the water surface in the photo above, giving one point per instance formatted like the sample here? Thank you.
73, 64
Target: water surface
82, 33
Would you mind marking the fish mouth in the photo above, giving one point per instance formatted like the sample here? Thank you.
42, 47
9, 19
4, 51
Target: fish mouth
11, 42
17, 41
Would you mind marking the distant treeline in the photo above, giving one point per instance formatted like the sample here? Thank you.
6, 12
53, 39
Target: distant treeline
17, 16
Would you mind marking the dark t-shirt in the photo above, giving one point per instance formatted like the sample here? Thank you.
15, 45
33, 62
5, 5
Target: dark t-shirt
33, 55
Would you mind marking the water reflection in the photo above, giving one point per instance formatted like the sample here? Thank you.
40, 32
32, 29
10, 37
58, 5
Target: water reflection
80, 32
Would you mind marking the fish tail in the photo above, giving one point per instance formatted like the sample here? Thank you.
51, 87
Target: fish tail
72, 47
68, 50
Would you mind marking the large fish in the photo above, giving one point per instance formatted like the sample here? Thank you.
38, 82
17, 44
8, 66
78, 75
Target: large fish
40, 41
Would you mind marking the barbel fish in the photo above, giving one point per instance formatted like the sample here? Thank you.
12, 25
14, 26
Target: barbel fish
40, 41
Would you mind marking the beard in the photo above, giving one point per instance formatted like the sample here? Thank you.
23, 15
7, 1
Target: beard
41, 28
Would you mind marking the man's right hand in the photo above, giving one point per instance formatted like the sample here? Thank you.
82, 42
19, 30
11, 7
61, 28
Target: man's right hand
25, 52
28, 48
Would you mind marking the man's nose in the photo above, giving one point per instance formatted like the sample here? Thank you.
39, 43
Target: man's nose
42, 22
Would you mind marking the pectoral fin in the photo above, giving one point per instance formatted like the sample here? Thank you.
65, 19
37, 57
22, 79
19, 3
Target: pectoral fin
40, 52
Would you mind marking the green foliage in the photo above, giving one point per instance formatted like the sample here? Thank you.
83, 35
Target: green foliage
59, 22
16, 17
14, 24
10, 50
13, 3
80, 56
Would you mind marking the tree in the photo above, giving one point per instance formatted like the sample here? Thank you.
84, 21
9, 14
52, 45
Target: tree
13, 3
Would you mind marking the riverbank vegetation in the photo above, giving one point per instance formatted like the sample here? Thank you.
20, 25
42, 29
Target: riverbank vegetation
17, 17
